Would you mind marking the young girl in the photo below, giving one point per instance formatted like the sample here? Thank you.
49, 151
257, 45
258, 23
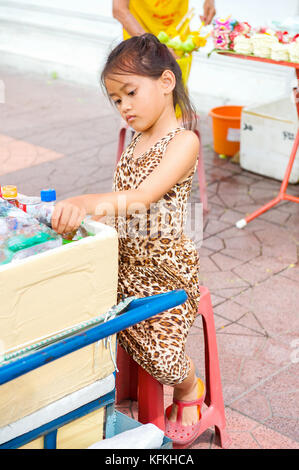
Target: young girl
152, 183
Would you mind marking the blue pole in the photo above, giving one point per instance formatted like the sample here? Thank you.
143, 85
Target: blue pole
138, 310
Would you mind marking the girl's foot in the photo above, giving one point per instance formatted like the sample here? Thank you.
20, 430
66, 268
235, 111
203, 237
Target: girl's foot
183, 418
191, 414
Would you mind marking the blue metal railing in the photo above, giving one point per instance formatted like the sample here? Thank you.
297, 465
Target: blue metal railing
137, 311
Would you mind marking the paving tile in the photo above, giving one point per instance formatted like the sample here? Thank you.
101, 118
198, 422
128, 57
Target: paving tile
276, 216
285, 404
207, 265
220, 323
215, 226
274, 235
291, 272
217, 174
269, 263
253, 323
216, 211
285, 252
79, 137
247, 253
204, 251
213, 243
230, 216
237, 340
231, 391
289, 207
274, 301
217, 299
216, 200
254, 370
251, 273
286, 427
255, 405
236, 422
262, 195
203, 441
247, 207
269, 439
242, 440
230, 310
17, 154
230, 367
225, 263
246, 241
37, 103
230, 294
240, 202
223, 279
233, 232
284, 381
276, 352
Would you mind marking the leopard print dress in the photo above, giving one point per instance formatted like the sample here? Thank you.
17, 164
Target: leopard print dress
155, 256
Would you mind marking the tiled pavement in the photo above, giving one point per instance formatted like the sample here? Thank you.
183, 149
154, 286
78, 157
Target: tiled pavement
63, 135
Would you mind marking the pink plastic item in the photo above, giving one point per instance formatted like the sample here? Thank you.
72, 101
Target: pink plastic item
200, 167
133, 382
183, 436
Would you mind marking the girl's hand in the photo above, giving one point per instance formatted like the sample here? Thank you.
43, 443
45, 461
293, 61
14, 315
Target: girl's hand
68, 215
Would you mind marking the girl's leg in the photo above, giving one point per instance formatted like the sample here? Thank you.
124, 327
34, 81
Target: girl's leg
190, 389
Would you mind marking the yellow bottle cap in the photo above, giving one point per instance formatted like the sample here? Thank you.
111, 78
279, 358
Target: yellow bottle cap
9, 191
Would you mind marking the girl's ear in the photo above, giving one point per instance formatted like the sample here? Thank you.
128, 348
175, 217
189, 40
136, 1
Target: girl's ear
168, 81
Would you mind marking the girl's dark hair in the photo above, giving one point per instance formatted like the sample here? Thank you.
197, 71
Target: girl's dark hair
145, 55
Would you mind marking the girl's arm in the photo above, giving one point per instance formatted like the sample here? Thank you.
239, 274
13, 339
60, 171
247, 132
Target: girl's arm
180, 157
121, 12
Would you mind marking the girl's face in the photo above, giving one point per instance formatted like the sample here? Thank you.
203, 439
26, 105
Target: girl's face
140, 100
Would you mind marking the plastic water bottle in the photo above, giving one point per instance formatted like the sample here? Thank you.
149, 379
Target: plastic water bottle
48, 198
40, 208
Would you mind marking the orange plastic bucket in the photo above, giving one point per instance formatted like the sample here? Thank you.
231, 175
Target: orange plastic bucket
226, 129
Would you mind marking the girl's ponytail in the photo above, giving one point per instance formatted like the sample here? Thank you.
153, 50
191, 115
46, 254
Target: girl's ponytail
145, 55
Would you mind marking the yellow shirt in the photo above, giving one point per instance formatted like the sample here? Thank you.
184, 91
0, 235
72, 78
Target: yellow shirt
157, 15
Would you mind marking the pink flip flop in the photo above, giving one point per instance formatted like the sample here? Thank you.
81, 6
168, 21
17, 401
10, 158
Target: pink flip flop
183, 436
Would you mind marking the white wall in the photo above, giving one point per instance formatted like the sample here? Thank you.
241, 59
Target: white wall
255, 12
73, 37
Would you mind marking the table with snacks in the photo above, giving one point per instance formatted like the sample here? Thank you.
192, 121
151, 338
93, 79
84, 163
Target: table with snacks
239, 40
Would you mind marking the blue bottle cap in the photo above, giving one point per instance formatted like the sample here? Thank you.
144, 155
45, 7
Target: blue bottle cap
48, 195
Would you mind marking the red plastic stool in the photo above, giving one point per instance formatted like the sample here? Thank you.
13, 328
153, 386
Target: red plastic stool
200, 167
133, 382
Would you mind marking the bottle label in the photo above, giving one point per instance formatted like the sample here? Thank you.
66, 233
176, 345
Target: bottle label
25, 201
13, 202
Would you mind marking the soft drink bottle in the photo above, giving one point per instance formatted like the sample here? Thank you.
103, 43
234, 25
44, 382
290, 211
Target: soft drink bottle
10, 194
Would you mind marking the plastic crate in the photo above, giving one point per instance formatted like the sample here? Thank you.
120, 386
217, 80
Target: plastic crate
121, 423
268, 132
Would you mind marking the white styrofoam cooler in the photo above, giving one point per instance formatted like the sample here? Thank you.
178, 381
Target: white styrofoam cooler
268, 132
47, 293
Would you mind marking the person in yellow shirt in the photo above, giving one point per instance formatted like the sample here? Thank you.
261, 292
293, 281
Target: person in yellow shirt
152, 16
